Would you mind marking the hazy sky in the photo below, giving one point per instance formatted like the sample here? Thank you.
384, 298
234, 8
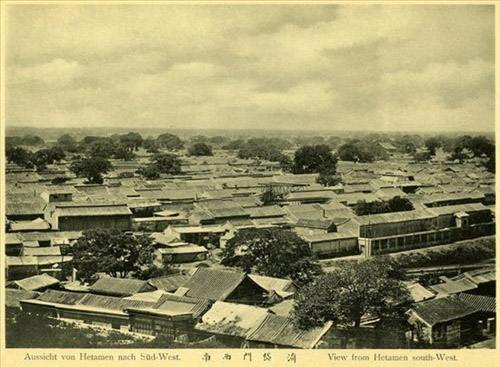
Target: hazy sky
252, 66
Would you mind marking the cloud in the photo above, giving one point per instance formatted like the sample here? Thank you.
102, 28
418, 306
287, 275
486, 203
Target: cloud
57, 73
376, 67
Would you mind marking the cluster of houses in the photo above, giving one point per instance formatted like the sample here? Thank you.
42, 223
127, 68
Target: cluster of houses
191, 217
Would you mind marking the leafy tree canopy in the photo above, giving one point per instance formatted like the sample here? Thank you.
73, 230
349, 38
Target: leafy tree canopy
396, 204
351, 291
131, 141
200, 149
112, 252
273, 252
165, 163
355, 151
270, 196
170, 141
315, 159
92, 168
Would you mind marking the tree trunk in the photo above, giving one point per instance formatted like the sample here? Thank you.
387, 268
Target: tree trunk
357, 322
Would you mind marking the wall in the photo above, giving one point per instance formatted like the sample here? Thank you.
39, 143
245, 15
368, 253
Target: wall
92, 222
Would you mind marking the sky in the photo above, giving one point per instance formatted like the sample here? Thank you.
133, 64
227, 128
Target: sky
325, 67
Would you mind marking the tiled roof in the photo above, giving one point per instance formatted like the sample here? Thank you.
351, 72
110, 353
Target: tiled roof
271, 283
92, 210
452, 286
232, 319
281, 330
119, 287
13, 296
213, 284
169, 283
442, 309
480, 303
36, 282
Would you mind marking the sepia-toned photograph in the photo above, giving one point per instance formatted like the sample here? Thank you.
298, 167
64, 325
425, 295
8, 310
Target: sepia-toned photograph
213, 176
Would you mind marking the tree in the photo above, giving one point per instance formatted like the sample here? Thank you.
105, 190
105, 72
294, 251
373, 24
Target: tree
102, 147
151, 145
58, 180
149, 171
41, 159
200, 149
263, 148
131, 141
161, 163
124, 152
355, 151
326, 178
112, 252
273, 252
170, 141
68, 143
396, 204
56, 154
314, 159
91, 168
66, 140
432, 144
490, 164
348, 293
167, 163
19, 156
32, 140
234, 144
270, 196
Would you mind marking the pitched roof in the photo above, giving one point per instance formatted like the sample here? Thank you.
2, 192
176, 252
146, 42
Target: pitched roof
171, 305
419, 293
452, 286
393, 217
119, 287
213, 284
332, 236
265, 211
322, 223
61, 297
280, 330
13, 296
232, 319
272, 283
92, 210
37, 224
442, 309
451, 209
480, 303
169, 283
36, 282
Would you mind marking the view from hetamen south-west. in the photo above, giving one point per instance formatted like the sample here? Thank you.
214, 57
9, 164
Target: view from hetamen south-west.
258, 176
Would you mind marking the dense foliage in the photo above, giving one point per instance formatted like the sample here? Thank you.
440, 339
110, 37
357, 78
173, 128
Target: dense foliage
355, 152
264, 149
351, 291
396, 204
39, 159
200, 149
112, 252
273, 252
92, 168
314, 159
270, 196
170, 141
165, 163
467, 252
